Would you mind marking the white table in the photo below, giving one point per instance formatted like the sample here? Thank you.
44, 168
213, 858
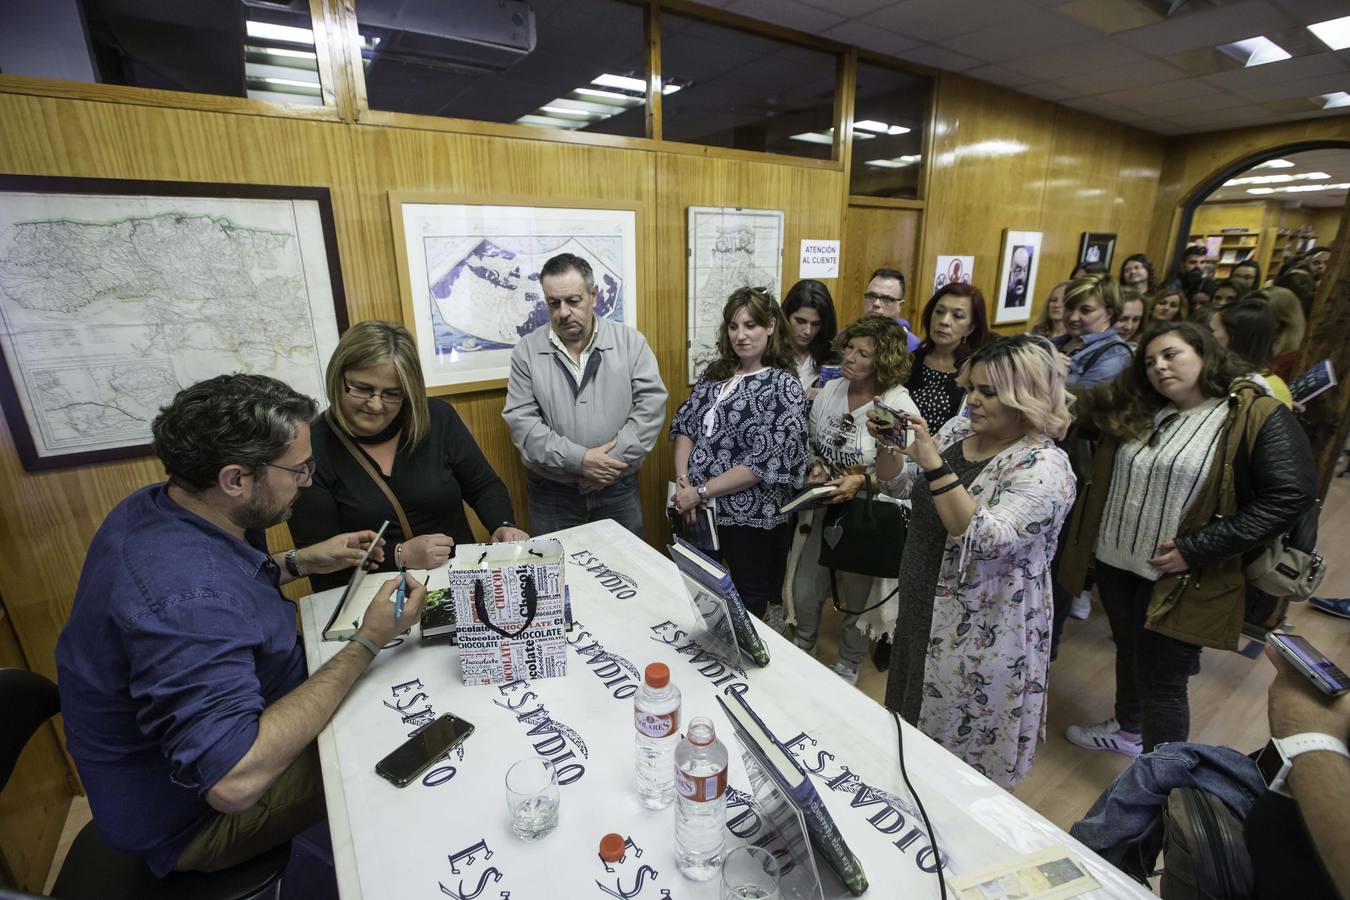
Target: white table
449, 834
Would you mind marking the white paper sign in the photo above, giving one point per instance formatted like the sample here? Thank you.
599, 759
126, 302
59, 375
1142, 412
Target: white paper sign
953, 269
820, 259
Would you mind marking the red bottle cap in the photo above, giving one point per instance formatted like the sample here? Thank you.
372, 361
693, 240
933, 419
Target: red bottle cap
658, 675
612, 847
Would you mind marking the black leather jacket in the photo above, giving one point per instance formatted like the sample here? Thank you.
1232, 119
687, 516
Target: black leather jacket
1276, 481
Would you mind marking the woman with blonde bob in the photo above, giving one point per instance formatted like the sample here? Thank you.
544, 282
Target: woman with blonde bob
384, 451
989, 494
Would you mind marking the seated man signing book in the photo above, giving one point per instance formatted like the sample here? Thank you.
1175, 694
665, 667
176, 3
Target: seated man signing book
187, 706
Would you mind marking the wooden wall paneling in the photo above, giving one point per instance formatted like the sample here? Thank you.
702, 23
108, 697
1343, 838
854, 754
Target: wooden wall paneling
34, 804
878, 236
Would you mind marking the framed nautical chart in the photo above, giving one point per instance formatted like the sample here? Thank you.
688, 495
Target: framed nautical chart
469, 273
115, 295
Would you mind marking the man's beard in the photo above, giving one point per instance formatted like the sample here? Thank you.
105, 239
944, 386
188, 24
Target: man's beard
261, 511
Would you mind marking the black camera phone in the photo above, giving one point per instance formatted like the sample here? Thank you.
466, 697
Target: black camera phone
415, 755
1311, 662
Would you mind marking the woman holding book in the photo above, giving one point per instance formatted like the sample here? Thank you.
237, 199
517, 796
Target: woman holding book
740, 445
989, 493
874, 362
384, 451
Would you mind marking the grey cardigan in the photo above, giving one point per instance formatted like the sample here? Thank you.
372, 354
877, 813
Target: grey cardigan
553, 420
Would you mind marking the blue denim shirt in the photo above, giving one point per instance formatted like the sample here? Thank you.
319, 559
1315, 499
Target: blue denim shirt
179, 638
1099, 359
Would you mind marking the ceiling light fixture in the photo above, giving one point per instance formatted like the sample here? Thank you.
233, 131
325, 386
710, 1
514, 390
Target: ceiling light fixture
898, 162
623, 82
879, 127
1301, 188
1335, 33
1335, 100
1255, 51
827, 136
269, 32
1274, 164
1277, 179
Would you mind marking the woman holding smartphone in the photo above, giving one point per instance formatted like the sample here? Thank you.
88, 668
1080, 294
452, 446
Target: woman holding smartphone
875, 362
989, 493
740, 439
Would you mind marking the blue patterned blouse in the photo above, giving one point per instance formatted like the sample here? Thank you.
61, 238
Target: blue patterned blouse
761, 426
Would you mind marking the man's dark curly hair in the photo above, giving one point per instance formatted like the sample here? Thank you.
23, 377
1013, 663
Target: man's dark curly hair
245, 420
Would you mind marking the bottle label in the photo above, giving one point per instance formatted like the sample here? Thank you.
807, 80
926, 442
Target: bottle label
701, 788
657, 725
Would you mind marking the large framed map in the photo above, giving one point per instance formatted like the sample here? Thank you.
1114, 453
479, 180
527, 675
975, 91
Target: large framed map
469, 273
729, 248
114, 295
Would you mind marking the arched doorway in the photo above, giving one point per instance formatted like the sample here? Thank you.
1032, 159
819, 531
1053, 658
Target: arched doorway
1182, 223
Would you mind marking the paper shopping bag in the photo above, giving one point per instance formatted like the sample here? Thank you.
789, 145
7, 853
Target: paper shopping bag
509, 610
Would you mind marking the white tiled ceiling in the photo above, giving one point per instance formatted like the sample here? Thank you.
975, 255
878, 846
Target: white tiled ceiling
1334, 163
1128, 60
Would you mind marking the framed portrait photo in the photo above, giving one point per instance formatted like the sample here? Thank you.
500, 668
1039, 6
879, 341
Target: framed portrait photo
1096, 249
1020, 259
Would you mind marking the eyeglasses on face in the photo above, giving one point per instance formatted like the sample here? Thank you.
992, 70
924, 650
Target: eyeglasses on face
874, 297
306, 470
392, 396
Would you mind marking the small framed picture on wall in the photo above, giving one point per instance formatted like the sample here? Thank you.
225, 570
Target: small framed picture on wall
1021, 257
1096, 249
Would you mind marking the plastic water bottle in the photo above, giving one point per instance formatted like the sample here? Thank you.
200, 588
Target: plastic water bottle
701, 809
656, 713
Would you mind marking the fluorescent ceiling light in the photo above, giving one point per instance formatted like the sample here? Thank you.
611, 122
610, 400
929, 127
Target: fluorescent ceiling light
896, 162
269, 32
1301, 188
1274, 164
283, 52
623, 82
571, 113
289, 82
1277, 179
550, 122
609, 96
1255, 51
1335, 100
1335, 33
671, 88
879, 127
813, 137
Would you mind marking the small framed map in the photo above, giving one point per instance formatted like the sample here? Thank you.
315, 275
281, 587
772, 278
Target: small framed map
469, 273
115, 295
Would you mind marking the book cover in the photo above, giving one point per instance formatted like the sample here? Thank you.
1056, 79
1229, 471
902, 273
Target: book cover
811, 498
438, 617
1320, 377
703, 533
796, 785
690, 561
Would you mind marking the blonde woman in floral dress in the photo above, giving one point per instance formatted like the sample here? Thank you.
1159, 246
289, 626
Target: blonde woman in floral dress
989, 494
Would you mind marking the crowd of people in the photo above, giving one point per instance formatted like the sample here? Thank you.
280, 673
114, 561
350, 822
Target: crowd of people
1140, 437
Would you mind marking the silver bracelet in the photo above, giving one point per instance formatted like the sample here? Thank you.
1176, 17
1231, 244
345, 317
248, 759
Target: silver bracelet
365, 642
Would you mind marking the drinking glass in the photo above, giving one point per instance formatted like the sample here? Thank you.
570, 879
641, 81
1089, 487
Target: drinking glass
750, 873
532, 798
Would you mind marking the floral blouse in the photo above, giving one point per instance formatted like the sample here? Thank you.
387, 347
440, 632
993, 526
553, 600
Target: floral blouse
761, 425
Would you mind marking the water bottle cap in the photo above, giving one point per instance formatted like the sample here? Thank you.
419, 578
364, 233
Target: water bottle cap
612, 847
658, 675
701, 732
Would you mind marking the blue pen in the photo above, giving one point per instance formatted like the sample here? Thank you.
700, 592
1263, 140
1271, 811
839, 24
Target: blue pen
400, 593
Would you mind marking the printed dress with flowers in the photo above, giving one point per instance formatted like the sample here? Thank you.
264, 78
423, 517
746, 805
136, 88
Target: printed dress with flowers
986, 667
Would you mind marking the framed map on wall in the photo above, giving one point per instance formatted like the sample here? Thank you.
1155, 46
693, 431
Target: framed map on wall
469, 274
729, 248
115, 295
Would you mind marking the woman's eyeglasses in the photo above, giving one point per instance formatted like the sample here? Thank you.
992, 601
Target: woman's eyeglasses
392, 396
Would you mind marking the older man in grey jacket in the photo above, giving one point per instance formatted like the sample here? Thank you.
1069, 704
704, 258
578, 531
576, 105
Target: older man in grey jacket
584, 403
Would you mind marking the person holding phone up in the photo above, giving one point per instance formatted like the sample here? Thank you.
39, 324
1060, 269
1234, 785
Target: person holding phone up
874, 362
989, 493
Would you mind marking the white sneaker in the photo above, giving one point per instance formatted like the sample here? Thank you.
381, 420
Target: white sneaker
1081, 607
846, 672
1106, 736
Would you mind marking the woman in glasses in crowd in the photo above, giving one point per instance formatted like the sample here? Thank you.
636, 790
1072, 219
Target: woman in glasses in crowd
383, 447
740, 442
989, 494
1197, 467
874, 363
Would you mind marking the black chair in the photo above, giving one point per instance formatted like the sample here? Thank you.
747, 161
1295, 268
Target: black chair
93, 870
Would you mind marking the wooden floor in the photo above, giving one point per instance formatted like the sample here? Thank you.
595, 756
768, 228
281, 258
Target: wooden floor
1228, 697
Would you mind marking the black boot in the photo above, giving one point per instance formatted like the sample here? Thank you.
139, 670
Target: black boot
881, 654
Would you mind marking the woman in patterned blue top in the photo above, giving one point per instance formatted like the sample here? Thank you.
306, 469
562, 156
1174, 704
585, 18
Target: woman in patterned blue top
740, 439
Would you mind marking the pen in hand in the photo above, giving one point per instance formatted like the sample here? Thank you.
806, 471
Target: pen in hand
401, 593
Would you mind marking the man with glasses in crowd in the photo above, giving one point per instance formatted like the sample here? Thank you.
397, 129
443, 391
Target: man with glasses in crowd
584, 403
884, 296
184, 690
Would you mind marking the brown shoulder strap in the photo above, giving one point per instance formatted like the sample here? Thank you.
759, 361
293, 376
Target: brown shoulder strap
364, 462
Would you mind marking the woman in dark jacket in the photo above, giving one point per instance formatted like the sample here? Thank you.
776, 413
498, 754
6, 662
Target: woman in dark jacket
1198, 469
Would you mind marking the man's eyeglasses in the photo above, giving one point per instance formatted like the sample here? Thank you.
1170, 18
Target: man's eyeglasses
306, 471
874, 297
361, 392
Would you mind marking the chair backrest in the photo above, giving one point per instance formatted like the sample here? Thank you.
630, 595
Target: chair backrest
28, 699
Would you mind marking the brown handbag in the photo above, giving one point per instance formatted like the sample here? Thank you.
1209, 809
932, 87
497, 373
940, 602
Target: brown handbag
375, 476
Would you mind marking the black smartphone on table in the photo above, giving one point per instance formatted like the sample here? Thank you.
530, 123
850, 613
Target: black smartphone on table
1311, 662
415, 755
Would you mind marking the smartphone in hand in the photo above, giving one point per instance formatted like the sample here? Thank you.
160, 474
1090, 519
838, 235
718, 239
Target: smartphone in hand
893, 423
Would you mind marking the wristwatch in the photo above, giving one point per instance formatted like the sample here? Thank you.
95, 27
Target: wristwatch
291, 565
1277, 758
702, 491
